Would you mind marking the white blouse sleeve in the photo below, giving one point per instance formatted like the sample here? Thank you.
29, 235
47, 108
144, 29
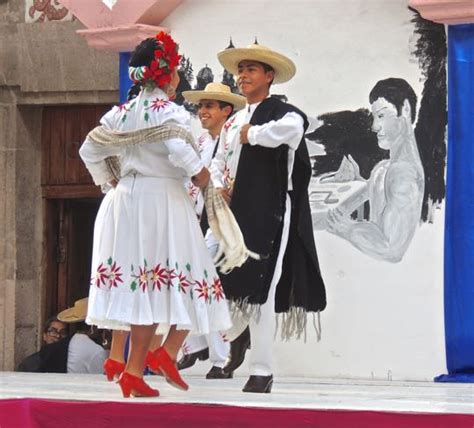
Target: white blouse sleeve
287, 130
94, 155
182, 154
218, 163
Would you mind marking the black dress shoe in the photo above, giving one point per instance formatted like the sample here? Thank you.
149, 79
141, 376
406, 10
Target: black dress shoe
218, 373
238, 348
259, 384
190, 359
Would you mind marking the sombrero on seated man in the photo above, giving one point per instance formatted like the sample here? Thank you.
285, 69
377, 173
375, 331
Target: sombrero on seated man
77, 313
284, 67
217, 92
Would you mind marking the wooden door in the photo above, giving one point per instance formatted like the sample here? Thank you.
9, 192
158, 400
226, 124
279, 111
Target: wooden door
71, 204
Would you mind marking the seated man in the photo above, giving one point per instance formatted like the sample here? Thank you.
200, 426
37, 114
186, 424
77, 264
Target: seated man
84, 354
77, 353
54, 331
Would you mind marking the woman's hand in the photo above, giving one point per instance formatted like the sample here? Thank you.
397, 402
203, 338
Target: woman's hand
201, 179
225, 193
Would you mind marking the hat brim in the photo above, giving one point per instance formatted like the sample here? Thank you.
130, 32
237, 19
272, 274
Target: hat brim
195, 97
71, 315
284, 67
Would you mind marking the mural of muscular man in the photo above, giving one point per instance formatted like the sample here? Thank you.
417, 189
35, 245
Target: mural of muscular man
395, 186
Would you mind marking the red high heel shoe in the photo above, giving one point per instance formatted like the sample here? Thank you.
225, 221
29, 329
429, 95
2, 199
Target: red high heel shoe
160, 361
149, 363
113, 368
135, 386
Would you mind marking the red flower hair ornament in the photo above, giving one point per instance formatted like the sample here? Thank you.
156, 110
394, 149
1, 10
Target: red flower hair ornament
166, 59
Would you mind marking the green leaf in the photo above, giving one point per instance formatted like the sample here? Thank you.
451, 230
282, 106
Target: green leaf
205, 273
144, 262
147, 116
231, 153
188, 267
176, 265
133, 285
162, 63
145, 103
109, 261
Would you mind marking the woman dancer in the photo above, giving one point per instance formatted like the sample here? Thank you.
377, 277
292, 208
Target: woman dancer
151, 266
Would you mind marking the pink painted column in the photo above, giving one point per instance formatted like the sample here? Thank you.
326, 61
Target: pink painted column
445, 11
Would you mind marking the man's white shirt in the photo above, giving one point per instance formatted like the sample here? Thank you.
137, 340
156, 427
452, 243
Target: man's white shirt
287, 130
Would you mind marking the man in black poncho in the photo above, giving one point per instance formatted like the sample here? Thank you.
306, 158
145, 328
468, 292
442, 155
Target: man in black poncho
263, 170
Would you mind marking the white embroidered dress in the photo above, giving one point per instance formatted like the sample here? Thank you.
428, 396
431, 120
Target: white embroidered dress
150, 262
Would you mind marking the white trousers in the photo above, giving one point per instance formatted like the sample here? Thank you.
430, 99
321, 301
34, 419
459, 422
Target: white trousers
262, 331
218, 347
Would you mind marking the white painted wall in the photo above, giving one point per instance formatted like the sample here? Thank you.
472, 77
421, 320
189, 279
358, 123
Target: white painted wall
383, 320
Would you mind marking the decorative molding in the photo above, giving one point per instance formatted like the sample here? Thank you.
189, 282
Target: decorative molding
119, 39
123, 26
95, 14
445, 11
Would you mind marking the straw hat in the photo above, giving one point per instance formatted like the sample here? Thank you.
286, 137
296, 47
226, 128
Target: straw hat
284, 67
218, 92
75, 314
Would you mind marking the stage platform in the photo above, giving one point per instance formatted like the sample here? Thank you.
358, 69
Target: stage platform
62, 400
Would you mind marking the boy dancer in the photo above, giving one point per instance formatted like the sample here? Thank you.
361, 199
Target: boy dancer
262, 168
216, 103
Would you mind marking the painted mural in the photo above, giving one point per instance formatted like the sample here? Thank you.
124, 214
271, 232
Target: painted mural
46, 10
370, 185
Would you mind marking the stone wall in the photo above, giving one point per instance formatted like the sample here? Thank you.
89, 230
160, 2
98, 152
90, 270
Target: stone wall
40, 64
8, 253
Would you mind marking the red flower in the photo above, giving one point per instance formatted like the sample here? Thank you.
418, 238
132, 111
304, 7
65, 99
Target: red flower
203, 290
217, 290
201, 141
183, 282
143, 278
227, 179
154, 65
123, 106
101, 275
115, 275
162, 80
166, 42
171, 275
192, 190
165, 60
147, 73
159, 276
229, 123
158, 104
